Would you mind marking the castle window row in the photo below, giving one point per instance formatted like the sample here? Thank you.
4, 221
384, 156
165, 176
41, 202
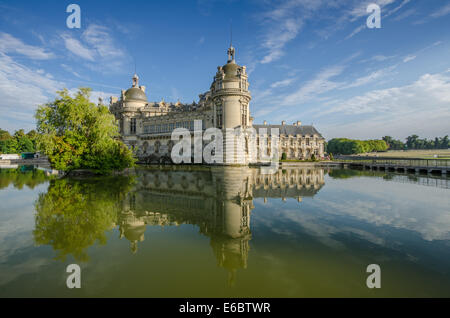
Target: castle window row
169, 127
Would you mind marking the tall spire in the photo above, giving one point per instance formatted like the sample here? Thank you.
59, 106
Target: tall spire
231, 51
231, 33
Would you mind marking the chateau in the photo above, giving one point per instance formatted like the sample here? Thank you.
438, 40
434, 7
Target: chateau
147, 126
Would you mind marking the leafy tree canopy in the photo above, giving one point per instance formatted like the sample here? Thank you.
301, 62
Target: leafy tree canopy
349, 146
77, 134
18, 143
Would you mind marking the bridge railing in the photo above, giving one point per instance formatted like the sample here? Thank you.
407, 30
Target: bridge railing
429, 163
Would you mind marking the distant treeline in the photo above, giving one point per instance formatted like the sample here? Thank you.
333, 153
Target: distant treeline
414, 142
346, 146
17, 143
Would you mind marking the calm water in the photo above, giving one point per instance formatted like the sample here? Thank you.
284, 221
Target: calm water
219, 232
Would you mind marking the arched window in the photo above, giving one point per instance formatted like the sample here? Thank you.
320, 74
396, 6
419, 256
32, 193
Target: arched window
157, 146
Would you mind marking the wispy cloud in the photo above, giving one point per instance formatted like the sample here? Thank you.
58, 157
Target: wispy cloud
282, 83
320, 84
405, 14
75, 47
70, 70
443, 11
394, 10
356, 31
370, 78
10, 44
21, 90
395, 110
409, 58
97, 46
277, 38
100, 40
283, 22
380, 58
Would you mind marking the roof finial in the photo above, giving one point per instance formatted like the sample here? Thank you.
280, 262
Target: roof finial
135, 80
135, 77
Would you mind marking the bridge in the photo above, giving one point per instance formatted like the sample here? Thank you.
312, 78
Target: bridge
438, 166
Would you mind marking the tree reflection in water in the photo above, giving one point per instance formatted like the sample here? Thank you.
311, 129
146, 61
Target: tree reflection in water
74, 214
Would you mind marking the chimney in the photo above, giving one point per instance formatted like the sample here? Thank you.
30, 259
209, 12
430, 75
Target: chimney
265, 123
142, 88
283, 123
299, 123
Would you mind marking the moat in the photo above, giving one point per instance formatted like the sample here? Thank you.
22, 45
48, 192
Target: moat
224, 232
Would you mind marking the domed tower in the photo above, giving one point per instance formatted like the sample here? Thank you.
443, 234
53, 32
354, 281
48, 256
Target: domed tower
127, 111
230, 94
231, 99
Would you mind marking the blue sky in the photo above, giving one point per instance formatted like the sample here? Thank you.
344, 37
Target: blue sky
309, 60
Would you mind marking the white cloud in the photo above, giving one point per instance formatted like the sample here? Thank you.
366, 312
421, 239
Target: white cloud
319, 85
70, 70
441, 11
75, 46
10, 44
381, 58
283, 23
102, 42
98, 47
421, 107
404, 2
409, 58
405, 14
376, 75
356, 31
277, 38
21, 90
285, 20
282, 83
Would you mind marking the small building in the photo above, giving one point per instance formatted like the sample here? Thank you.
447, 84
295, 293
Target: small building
10, 156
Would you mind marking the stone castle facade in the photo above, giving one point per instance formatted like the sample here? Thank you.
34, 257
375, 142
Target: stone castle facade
147, 126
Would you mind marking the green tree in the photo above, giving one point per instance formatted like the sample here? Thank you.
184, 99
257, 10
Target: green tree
348, 146
4, 135
75, 133
411, 142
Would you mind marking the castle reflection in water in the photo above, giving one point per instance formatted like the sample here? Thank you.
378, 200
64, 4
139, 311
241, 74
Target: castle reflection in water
218, 200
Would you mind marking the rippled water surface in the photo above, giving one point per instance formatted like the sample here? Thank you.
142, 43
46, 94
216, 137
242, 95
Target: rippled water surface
220, 232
